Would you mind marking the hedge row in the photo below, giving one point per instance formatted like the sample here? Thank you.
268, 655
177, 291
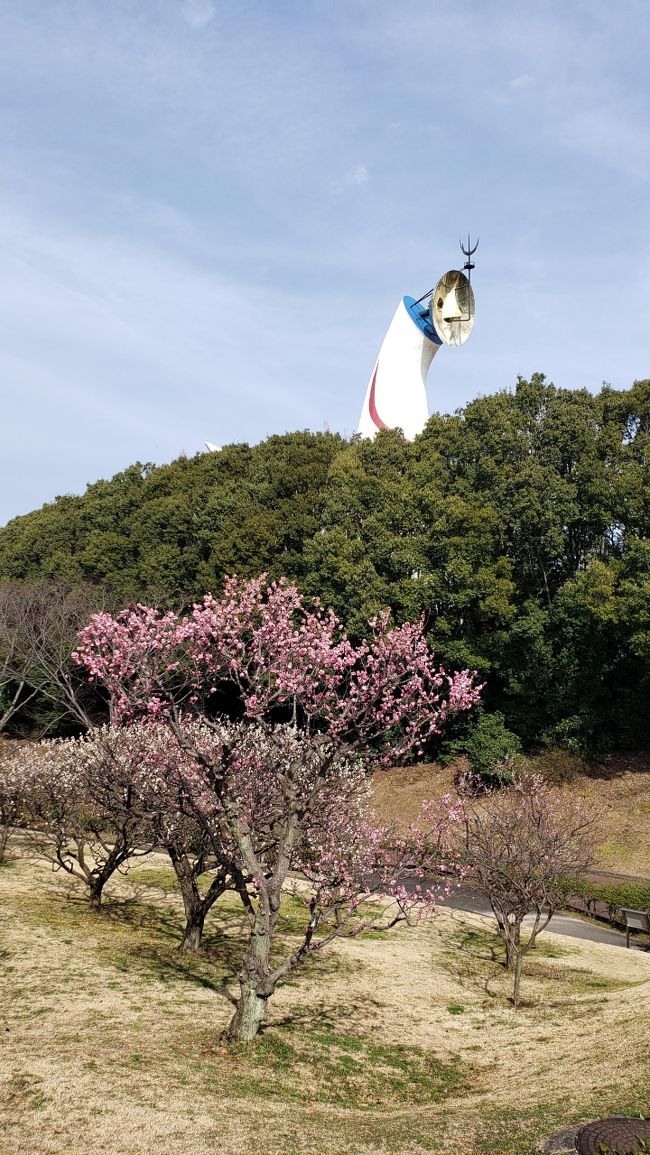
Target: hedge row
615, 896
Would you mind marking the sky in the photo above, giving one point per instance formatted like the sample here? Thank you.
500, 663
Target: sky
209, 210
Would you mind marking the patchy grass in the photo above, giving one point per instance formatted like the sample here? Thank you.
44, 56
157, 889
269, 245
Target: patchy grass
110, 1038
346, 1070
501, 1135
476, 957
159, 877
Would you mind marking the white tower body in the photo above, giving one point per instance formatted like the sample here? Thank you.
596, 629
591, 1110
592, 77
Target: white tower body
396, 395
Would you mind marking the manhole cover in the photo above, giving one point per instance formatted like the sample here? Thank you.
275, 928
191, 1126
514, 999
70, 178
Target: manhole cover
614, 1137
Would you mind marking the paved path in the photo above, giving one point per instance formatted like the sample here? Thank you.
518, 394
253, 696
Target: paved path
470, 899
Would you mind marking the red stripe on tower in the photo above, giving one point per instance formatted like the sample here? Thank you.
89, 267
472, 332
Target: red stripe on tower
372, 408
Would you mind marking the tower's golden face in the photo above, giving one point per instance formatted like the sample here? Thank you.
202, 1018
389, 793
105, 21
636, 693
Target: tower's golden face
453, 308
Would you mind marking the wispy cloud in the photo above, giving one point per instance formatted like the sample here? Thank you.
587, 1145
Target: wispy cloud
358, 175
117, 351
198, 13
523, 81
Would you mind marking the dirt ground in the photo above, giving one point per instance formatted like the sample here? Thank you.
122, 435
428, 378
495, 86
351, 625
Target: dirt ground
401, 1043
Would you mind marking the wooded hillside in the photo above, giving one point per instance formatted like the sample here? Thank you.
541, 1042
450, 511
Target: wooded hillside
518, 526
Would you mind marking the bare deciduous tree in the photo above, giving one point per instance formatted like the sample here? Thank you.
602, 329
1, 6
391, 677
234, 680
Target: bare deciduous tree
39, 622
520, 843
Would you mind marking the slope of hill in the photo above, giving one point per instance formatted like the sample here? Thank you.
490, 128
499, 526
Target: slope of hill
619, 789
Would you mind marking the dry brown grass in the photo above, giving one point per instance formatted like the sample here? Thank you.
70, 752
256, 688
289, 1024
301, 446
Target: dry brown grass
618, 789
109, 1038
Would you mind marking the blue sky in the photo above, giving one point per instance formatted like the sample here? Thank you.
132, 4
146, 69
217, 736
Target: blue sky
210, 208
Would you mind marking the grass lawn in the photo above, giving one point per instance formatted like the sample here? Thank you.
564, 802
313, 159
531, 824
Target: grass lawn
403, 1043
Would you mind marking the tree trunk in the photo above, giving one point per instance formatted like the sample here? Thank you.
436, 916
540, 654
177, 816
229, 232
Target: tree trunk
512, 937
248, 1017
517, 982
96, 888
195, 905
4, 839
255, 977
193, 933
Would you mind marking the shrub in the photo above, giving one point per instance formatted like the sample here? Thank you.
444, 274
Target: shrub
492, 749
560, 767
615, 895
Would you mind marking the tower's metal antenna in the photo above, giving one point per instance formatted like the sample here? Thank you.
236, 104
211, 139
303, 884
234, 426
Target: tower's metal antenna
469, 265
469, 252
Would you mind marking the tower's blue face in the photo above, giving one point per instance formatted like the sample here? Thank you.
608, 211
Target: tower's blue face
422, 317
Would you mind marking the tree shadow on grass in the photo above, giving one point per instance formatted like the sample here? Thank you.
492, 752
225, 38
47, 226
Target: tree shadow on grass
190, 970
318, 1016
161, 963
475, 959
479, 944
135, 915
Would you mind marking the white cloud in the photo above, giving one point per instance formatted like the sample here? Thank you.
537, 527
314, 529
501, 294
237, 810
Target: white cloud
358, 175
198, 13
523, 81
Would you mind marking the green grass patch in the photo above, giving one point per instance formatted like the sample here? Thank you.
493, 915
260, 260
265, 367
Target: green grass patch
161, 877
23, 1091
489, 943
353, 1071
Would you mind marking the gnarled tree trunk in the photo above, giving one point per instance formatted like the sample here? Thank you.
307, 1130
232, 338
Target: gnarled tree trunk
95, 887
187, 870
193, 931
247, 1019
257, 981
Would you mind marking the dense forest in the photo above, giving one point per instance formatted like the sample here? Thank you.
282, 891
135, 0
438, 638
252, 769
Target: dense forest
519, 526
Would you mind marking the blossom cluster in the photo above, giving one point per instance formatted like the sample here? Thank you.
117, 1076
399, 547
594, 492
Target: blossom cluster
262, 640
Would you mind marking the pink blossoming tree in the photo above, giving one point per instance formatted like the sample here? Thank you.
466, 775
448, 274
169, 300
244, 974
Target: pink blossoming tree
283, 789
167, 787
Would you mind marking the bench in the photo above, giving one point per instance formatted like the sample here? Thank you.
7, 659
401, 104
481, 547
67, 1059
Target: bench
635, 920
